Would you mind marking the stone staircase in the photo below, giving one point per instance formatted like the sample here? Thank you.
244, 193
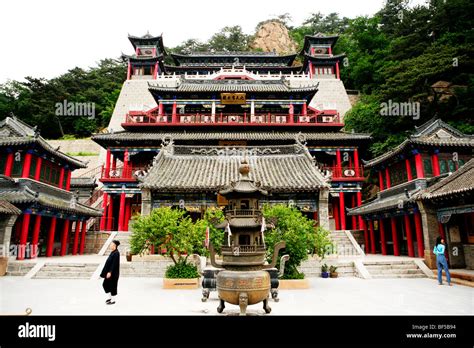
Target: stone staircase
155, 268
394, 269
343, 245
66, 271
312, 268
124, 239
19, 268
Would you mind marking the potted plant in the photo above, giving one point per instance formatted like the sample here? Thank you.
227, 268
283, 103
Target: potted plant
128, 255
332, 272
290, 225
324, 271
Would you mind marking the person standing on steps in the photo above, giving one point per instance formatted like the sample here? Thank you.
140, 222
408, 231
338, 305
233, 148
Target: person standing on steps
441, 261
111, 273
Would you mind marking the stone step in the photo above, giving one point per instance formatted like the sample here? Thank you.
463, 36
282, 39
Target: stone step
398, 275
399, 271
69, 269
404, 266
59, 275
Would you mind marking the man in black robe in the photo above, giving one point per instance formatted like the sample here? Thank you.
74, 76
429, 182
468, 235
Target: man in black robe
111, 272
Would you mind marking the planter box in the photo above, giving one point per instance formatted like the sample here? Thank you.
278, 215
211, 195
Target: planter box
3, 266
293, 284
180, 284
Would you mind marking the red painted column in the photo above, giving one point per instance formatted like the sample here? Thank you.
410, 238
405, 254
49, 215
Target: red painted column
110, 214
383, 242
114, 163
419, 235
342, 210
359, 203
356, 163
387, 178
39, 161
9, 163
126, 170
354, 218
393, 225
337, 70
77, 231
122, 211
128, 207
160, 109
61, 178
381, 181
129, 70
338, 169
64, 237
372, 237
366, 237
291, 119
155, 72
411, 251
103, 220
408, 167
435, 164
107, 164
52, 230
68, 180
336, 216
34, 240
305, 110
419, 166
83, 237
27, 165
173, 113
23, 236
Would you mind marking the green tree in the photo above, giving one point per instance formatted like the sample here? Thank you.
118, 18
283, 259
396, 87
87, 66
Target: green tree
230, 39
212, 217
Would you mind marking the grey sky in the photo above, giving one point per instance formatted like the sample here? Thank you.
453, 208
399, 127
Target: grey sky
46, 38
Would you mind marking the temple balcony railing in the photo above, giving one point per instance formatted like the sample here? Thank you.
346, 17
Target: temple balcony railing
122, 174
243, 212
243, 249
345, 173
140, 118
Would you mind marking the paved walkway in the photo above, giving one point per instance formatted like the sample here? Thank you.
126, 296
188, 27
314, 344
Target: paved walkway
145, 296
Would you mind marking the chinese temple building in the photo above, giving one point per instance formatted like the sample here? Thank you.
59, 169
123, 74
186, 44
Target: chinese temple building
40, 215
401, 218
178, 132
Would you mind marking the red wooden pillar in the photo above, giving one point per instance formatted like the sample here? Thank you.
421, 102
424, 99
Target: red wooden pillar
408, 167
359, 203
173, 113
354, 218
366, 237
23, 236
52, 230
160, 109
393, 225
382, 237
77, 231
68, 180
291, 119
337, 70
419, 235
127, 173
342, 210
9, 163
121, 212
381, 181
83, 237
128, 210
419, 166
435, 163
110, 213
372, 237
337, 222
129, 71
387, 177
103, 220
27, 165
61, 178
34, 240
411, 251
39, 162
305, 109
356, 163
107, 164
338, 170
114, 163
64, 237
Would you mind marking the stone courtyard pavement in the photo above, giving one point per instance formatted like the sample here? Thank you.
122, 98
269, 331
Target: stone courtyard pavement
145, 296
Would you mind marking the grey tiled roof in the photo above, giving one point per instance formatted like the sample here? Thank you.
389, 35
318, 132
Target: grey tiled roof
24, 191
426, 135
83, 182
8, 208
15, 132
232, 86
458, 183
201, 168
210, 135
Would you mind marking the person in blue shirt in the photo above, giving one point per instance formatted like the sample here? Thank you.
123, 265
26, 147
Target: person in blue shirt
441, 261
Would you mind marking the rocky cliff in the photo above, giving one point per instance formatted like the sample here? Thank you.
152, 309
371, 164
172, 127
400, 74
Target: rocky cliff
273, 35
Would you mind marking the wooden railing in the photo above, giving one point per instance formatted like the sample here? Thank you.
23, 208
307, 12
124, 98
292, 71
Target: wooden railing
131, 173
345, 173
